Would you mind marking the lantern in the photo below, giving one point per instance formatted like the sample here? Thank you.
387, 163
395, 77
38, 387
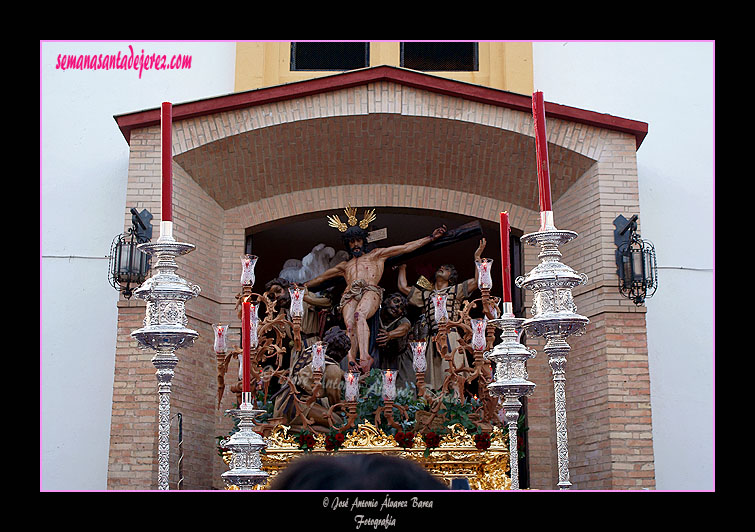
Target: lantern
128, 264
635, 258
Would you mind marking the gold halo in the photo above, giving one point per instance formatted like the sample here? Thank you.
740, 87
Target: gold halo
351, 217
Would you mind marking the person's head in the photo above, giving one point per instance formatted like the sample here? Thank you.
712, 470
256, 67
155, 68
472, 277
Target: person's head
338, 343
355, 472
277, 290
355, 241
448, 273
394, 305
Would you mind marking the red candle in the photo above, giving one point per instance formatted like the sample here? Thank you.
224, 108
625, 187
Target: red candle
166, 121
505, 262
543, 172
246, 327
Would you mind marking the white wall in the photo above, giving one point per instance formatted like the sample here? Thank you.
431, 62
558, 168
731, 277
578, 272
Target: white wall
84, 163
669, 85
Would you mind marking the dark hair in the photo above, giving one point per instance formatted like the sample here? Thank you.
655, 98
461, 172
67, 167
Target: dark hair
356, 232
280, 281
454, 274
355, 472
399, 295
339, 343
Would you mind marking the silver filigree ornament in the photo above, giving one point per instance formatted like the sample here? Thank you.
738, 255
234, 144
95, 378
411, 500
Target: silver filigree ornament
554, 317
164, 330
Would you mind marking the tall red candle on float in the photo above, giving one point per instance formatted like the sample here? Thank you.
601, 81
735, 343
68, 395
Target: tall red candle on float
505, 261
543, 171
166, 122
246, 327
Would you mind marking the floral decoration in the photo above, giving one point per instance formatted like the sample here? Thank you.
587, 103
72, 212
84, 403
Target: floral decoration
432, 440
482, 440
305, 440
334, 440
405, 439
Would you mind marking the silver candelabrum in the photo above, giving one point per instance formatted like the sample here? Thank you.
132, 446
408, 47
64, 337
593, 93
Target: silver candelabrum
554, 317
164, 328
245, 467
510, 382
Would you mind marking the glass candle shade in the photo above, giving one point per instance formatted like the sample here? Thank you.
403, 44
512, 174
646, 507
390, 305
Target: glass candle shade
241, 368
389, 384
479, 342
297, 300
220, 345
484, 277
254, 310
439, 304
318, 356
352, 385
418, 356
248, 263
253, 339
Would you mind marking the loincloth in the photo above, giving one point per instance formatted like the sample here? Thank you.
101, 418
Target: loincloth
357, 290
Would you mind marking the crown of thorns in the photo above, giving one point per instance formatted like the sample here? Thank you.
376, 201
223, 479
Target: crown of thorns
351, 218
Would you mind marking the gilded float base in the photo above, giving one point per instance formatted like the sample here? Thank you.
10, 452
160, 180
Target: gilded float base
455, 457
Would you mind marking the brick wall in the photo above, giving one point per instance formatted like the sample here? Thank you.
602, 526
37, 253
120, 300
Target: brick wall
389, 145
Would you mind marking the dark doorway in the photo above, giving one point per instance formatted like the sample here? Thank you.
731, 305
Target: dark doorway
294, 238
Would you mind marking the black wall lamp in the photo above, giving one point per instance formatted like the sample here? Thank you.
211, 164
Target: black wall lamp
128, 265
635, 261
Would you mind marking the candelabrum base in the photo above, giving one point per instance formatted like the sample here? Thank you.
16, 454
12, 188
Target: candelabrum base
245, 445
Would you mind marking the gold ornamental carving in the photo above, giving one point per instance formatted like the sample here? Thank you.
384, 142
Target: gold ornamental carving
455, 457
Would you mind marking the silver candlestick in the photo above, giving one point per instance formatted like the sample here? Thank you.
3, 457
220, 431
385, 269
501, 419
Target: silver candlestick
245, 445
164, 328
511, 383
554, 317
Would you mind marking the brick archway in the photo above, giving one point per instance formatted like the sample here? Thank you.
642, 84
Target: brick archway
237, 158
413, 143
